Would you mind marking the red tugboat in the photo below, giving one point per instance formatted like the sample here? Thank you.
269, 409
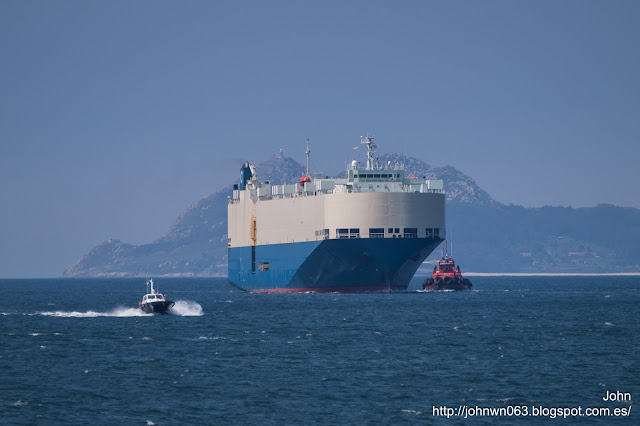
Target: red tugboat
446, 276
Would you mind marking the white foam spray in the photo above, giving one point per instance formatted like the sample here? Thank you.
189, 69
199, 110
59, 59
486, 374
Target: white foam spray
117, 312
183, 308
186, 308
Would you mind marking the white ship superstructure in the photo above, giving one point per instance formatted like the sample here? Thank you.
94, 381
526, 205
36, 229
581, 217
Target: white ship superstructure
369, 231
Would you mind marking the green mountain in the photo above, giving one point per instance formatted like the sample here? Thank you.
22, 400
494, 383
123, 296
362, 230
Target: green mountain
195, 245
487, 236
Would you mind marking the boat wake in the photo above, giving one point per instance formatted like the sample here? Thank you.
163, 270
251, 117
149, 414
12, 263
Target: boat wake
444, 290
182, 308
118, 312
186, 308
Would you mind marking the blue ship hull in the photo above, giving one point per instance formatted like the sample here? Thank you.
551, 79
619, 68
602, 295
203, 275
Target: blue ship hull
336, 265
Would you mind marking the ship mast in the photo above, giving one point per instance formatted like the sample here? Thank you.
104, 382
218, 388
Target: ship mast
308, 152
368, 141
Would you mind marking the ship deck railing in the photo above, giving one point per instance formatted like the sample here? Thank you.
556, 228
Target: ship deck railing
354, 189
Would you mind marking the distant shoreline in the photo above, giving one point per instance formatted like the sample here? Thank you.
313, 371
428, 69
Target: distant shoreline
419, 274
550, 274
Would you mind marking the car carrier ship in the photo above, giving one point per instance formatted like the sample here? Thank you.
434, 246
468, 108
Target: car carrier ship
369, 231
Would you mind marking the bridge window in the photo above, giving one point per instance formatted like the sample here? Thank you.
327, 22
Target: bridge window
342, 233
432, 233
322, 234
411, 232
376, 232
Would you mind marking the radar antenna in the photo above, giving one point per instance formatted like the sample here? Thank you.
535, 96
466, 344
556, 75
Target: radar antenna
368, 141
308, 152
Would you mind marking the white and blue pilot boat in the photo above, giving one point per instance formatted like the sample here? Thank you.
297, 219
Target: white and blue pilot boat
154, 302
369, 231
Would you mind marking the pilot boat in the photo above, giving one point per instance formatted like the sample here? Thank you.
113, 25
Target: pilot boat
154, 302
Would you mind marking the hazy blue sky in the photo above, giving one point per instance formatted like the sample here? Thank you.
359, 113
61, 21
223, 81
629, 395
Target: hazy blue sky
116, 115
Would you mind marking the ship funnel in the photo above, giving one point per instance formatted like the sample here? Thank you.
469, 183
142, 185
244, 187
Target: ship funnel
245, 174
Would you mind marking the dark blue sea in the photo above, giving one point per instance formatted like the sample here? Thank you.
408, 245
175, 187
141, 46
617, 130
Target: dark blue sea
79, 352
